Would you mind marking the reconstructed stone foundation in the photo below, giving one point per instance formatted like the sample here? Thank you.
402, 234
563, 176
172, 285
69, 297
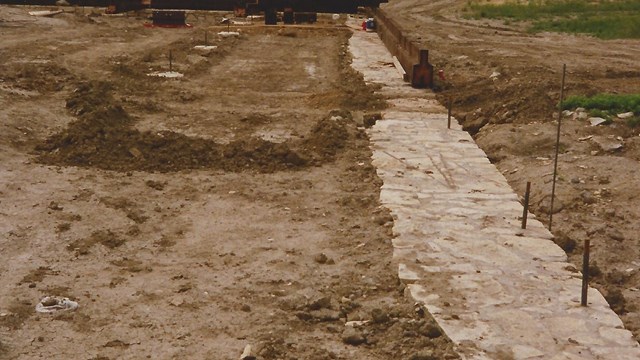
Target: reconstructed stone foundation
497, 291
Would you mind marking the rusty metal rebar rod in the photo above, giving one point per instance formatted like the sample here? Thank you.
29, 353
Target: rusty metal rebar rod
585, 273
449, 114
525, 211
555, 164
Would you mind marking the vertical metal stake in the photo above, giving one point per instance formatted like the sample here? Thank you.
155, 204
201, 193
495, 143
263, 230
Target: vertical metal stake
449, 115
170, 60
585, 273
555, 164
525, 211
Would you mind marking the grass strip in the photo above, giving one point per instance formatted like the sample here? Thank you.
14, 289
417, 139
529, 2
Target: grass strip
603, 19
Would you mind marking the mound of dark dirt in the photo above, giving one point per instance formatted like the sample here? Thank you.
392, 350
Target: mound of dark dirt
103, 136
329, 135
37, 76
474, 103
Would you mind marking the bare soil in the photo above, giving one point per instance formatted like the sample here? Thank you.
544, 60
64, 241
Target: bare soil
513, 117
191, 217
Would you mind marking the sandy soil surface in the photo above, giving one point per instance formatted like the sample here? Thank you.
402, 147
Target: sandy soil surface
191, 217
513, 117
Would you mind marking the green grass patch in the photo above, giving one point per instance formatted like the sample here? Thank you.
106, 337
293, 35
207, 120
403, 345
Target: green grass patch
607, 106
603, 19
605, 102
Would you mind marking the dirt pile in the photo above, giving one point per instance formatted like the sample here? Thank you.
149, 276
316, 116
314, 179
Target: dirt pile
103, 136
475, 106
329, 135
39, 75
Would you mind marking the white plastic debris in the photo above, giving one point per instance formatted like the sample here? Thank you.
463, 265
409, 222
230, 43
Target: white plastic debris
228, 33
595, 121
356, 323
50, 304
625, 115
166, 74
205, 47
45, 12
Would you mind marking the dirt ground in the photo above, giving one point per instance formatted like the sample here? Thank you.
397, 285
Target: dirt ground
505, 84
191, 217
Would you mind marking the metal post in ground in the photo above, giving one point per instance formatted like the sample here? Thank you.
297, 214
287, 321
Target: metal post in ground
525, 211
585, 273
555, 164
449, 114
170, 60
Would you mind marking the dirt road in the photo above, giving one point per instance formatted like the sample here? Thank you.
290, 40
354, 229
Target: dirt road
505, 84
191, 217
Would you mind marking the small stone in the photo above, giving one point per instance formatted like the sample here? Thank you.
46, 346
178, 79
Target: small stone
587, 197
323, 302
321, 258
575, 180
432, 331
616, 235
607, 144
580, 115
352, 336
383, 219
379, 316
558, 205
51, 301
135, 153
604, 180
245, 308
54, 206
177, 301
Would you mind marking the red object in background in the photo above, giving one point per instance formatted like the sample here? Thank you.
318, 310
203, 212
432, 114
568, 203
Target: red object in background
364, 25
441, 74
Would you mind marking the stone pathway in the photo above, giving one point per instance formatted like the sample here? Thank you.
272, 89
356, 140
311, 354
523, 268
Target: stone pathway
497, 291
